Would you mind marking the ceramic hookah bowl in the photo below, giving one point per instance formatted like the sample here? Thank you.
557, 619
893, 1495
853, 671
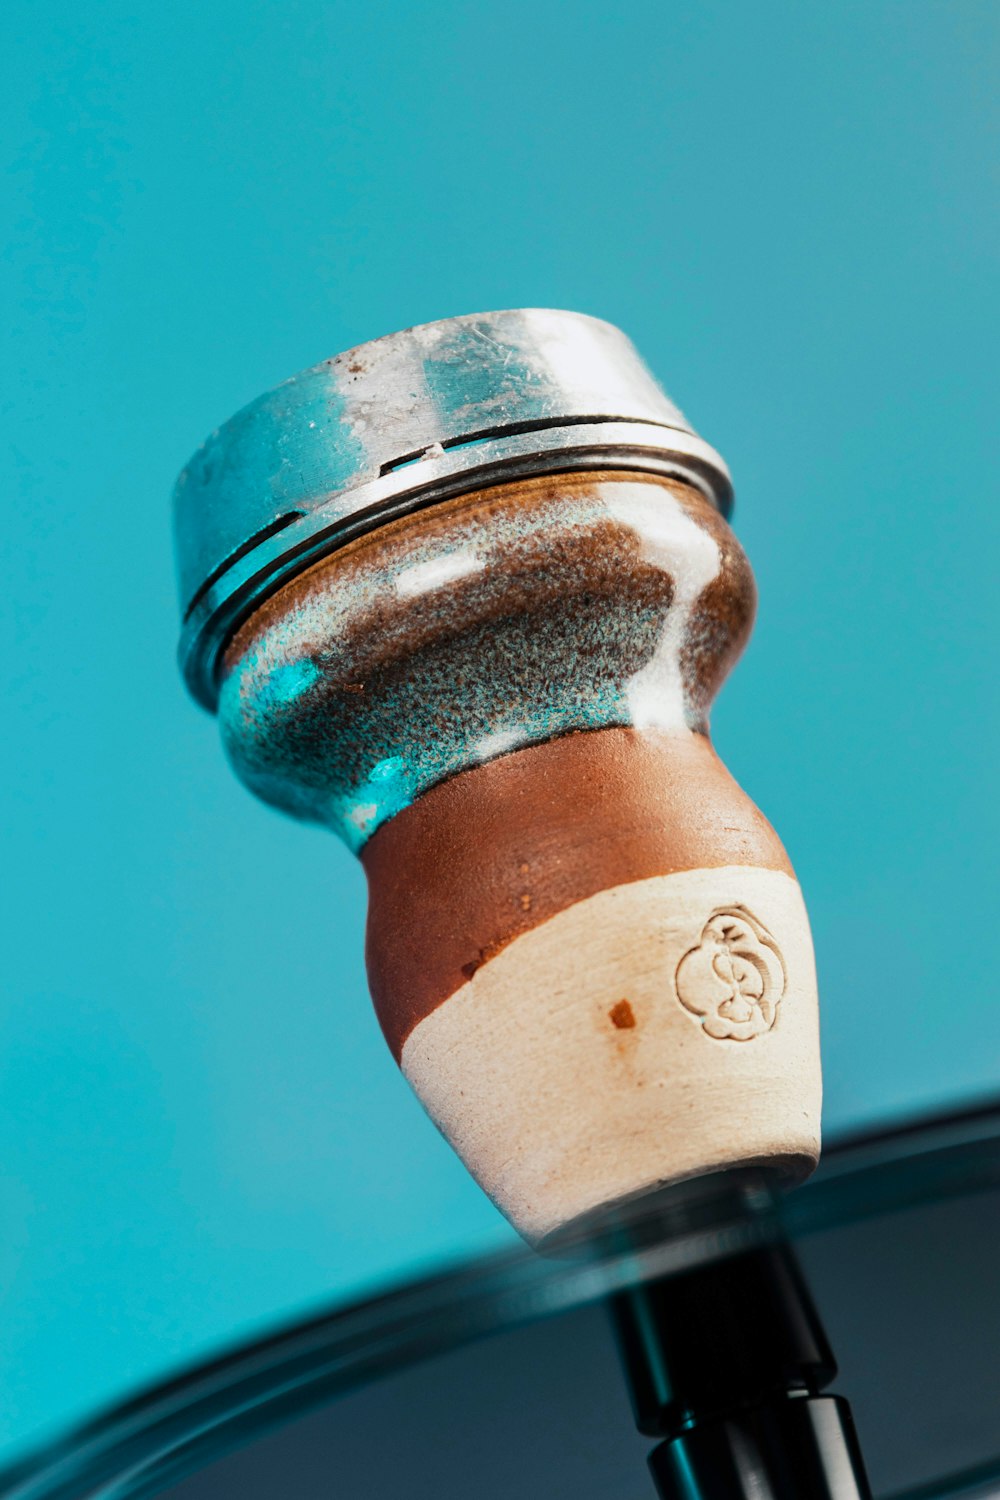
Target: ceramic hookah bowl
465, 595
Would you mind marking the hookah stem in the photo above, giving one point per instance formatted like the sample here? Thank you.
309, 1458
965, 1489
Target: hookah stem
728, 1364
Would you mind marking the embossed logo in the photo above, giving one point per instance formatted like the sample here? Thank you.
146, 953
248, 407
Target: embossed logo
733, 980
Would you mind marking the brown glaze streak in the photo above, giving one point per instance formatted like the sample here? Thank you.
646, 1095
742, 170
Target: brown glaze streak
564, 594
497, 850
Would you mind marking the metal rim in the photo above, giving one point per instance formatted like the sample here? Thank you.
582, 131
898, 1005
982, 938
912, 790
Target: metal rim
301, 538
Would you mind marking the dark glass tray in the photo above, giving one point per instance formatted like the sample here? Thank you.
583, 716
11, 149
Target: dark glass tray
402, 1394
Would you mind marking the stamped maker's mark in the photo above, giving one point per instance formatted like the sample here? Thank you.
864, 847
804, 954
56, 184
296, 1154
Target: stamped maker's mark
732, 981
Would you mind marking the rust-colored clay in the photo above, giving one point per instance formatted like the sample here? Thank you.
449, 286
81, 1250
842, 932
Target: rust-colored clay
557, 822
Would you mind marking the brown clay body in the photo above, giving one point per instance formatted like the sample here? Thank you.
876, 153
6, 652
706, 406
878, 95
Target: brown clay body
510, 844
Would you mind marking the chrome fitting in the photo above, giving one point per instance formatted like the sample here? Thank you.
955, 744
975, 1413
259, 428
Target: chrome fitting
407, 420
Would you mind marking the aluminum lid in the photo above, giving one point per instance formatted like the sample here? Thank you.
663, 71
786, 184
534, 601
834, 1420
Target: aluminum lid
415, 417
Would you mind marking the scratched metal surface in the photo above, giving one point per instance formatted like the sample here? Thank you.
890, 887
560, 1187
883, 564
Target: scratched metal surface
415, 416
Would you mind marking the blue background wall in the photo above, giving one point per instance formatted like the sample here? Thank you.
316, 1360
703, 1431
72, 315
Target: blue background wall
789, 207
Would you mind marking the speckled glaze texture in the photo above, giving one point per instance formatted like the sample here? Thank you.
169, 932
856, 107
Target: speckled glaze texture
479, 627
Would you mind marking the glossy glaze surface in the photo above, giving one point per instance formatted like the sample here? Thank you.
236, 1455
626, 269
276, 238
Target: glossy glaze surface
478, 627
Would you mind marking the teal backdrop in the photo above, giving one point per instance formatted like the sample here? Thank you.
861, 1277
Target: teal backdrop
792, 209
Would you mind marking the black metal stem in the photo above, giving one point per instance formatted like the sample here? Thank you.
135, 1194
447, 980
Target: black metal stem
727, 1364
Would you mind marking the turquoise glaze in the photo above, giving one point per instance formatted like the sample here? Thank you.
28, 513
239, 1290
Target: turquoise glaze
476, 628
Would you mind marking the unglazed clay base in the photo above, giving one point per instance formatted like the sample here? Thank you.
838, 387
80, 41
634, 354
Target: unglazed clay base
653, 1031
